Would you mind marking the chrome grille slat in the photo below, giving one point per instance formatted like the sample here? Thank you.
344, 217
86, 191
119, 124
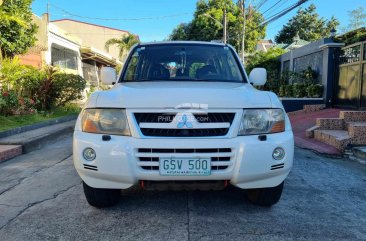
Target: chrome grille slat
185, 155
148, 158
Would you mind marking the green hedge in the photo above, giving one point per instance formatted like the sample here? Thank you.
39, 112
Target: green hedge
25, 89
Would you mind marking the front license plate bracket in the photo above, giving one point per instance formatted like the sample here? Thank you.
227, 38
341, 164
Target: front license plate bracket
185, 166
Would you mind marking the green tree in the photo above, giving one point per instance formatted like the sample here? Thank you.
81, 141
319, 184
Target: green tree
308, 25
207, 24
270, 61
357, 19
181, 32
124, 44
17, 32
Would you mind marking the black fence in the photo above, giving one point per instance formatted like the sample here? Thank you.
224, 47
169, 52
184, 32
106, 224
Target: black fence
350, 88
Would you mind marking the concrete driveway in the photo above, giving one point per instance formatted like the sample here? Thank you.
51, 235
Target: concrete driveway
41, 198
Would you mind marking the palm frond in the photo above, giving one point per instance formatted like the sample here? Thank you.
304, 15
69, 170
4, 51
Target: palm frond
124, 43
113, 41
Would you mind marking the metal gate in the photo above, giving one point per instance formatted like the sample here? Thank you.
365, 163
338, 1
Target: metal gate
350, 90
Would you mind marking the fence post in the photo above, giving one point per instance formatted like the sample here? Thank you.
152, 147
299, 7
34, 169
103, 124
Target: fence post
329, 69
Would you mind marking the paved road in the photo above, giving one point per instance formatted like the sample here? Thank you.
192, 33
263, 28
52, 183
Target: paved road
41, 199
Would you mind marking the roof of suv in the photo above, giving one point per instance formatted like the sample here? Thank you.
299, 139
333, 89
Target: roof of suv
182, 42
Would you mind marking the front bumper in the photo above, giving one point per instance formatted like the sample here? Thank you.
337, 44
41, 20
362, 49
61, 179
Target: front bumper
118, 166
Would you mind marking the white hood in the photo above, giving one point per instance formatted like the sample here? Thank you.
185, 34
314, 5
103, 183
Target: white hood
169, 94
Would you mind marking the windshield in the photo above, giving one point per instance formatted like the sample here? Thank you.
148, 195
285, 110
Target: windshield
183, 62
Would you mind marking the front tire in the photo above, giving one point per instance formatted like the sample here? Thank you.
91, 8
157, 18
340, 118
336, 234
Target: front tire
265, 196
100, 197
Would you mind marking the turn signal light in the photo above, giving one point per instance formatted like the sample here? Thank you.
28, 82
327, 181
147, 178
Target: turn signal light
278, 126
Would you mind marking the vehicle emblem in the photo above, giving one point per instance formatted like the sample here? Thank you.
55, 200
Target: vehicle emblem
184, 122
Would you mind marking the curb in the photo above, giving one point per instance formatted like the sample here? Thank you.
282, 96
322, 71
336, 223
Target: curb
38, 138
39, 143
327, 155
22, 129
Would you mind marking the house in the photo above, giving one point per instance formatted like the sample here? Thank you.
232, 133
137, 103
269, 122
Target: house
93, 37
54, 47
264, 45
73, 46
297, 43
35, 55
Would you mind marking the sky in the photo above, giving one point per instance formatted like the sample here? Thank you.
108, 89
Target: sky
155, 19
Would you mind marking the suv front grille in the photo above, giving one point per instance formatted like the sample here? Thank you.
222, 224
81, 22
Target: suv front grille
201, 118
148, 158
214, 117
184, 132
154, 117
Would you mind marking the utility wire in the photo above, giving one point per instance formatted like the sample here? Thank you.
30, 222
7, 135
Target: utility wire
273, 10
283, 12
260, 4
118, 19
274, 5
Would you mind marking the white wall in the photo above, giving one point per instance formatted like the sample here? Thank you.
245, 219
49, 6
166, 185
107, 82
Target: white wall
60, 41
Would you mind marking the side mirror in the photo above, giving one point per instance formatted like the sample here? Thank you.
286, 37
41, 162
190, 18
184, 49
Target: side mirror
108, 75
258, 76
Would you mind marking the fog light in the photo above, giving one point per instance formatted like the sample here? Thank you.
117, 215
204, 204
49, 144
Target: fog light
278, 153
89, 154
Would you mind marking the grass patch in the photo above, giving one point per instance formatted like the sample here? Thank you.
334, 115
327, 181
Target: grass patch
11, 122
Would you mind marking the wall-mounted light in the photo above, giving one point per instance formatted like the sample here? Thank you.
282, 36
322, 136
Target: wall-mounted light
333, 32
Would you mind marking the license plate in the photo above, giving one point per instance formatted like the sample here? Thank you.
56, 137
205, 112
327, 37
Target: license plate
185, 166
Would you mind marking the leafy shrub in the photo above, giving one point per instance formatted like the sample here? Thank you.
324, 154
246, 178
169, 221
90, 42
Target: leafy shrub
8, 102
46, 93
289, 91
303, 84
25, 106
11, 71
268, 60
71, 107
306, 77
30, 82
281, 91
286, 91
352, 37
68, 88
314, 90
58, 89
25, 88
299, 90
21, 79
309, 76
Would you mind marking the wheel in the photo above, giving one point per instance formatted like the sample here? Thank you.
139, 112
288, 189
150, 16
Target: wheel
100, 197
265, 196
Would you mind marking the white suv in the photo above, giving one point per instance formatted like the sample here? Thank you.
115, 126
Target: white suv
183, 115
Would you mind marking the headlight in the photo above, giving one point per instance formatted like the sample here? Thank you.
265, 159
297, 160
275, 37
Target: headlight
105, 121
262, 121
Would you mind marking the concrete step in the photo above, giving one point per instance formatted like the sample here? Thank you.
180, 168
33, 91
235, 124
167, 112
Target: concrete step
325, 124
36, 139
357, 130
359, 154
353, 116
9, 151
309, 133
330, 123
337, 138
313, 108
